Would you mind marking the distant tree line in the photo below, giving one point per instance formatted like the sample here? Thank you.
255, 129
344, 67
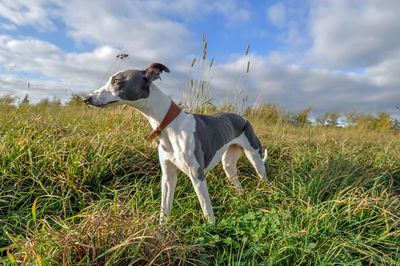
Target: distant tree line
269, 113
273, 113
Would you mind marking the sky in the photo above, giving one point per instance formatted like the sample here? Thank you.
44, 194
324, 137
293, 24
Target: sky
328, 54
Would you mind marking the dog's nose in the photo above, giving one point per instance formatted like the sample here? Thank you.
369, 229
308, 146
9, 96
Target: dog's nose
87, 99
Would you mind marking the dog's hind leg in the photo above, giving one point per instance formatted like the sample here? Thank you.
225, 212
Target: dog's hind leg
257, 162
253, 150
229, 163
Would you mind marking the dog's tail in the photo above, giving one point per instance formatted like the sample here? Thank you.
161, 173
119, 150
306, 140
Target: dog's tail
265, 156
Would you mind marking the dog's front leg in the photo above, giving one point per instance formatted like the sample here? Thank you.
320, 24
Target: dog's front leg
168, 184
200, 186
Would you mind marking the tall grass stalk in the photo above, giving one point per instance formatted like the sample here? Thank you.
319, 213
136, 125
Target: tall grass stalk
196, 95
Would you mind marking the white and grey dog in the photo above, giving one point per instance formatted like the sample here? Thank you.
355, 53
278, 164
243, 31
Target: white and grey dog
189, 142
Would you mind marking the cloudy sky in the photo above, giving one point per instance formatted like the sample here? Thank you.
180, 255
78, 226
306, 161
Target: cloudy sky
329, 54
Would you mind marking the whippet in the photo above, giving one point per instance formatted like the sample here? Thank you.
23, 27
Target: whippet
189, 142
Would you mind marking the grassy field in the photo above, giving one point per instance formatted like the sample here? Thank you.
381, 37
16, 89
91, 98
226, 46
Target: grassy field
81, 186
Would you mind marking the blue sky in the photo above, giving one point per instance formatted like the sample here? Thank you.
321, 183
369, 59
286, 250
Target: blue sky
332, 55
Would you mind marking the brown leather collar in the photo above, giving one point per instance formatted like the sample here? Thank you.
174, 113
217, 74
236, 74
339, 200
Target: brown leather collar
172, 113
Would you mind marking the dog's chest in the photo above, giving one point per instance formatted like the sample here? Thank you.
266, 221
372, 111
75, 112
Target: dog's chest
178, 144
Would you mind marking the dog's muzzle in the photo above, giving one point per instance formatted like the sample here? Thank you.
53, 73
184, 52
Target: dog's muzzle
87, 99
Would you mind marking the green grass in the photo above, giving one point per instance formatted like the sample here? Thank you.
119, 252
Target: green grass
81, 186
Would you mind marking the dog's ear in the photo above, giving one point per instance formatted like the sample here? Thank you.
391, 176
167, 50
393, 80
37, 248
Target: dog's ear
154, 70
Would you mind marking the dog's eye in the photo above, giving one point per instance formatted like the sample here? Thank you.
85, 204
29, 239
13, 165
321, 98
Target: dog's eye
116, 81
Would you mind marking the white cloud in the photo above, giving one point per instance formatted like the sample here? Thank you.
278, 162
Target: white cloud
140, 31
295, 87
29, 47
232, 11
31, 56
28, 12
353, 34
9, 27
387, 72
277, 14
37, 90
288, 17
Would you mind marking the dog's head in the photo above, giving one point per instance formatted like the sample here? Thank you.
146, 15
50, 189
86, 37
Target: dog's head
126, 86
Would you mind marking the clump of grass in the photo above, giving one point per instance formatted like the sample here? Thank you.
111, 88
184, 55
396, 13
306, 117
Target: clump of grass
109, 232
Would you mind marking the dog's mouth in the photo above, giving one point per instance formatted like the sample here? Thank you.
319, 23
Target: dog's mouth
102, 105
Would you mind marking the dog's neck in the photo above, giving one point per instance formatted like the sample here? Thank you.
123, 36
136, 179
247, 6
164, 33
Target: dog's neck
154, 107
